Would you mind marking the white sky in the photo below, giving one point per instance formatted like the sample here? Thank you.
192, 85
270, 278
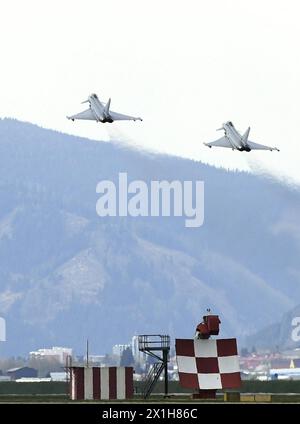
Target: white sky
184, 66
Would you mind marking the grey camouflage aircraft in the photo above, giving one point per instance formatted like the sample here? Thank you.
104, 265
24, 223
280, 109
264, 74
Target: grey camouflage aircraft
235, 141
101, 112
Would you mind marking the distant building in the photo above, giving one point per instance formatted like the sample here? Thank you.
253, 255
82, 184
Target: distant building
295, 363
57, 353
280, 363
95, 359
17, 373
33, 380
139, 357
4, 378
285, 373
119, 349
58, 376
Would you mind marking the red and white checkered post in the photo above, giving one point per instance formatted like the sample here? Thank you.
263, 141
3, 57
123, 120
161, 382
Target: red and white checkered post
208, 364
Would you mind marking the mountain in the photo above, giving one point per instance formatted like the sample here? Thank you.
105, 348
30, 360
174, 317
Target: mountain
282, 335
67, 274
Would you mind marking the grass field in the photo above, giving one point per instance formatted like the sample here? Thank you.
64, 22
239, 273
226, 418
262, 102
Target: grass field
56, 392
278, 398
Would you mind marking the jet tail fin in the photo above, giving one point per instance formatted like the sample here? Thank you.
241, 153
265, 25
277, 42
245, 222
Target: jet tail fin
246, 135
107, 106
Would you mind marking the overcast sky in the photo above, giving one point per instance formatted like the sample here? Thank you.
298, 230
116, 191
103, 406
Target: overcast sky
184, 66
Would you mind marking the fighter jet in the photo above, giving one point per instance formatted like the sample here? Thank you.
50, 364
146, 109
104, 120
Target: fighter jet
236, 141
101, 112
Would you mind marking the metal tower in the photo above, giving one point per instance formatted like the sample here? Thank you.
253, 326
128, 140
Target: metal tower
152, 344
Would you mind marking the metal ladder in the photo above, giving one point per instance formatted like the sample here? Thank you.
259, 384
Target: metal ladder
152, 378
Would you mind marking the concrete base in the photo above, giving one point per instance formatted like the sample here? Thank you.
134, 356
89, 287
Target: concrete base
205, 394
232, 397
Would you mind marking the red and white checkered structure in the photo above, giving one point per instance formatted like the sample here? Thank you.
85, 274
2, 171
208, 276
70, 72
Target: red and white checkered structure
101, 383
208, 364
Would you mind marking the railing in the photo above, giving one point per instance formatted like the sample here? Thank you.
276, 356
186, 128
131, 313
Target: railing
153, 342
